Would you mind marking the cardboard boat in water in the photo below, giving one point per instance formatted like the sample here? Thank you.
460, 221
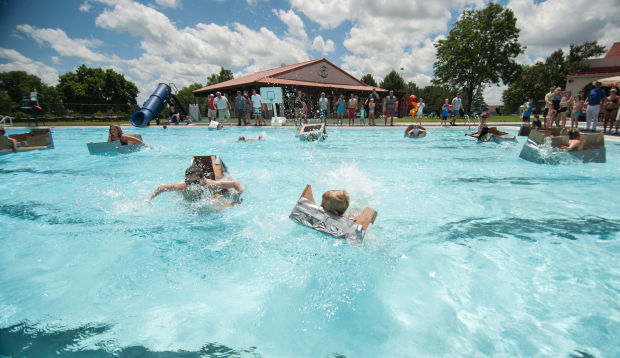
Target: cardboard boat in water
501, 137
408, 133
543, 148
524, 130
312, 132
114, 147
216, 125
308, 213
38, 138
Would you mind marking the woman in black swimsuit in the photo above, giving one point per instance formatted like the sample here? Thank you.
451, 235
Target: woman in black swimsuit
610, 105
116, 133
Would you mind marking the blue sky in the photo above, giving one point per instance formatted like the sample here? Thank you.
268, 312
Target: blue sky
183, 41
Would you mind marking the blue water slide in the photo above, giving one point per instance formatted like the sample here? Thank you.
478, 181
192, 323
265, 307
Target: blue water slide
152, 106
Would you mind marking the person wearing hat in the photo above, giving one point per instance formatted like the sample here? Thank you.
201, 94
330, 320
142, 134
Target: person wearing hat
196, 185
212, 111
597, 94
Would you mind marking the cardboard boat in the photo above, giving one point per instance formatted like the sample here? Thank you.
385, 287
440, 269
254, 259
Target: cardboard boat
212, 166
543, 148
216, 125
501, 137
308, 213
525, 130
114, 147
410, 128
312, 132
38, 138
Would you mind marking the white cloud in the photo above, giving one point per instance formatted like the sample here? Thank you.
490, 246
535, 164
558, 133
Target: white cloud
169, 3
58, 40
322, 46
85, 7
554, 24
296, 28
493, 94
19, 62
55, 60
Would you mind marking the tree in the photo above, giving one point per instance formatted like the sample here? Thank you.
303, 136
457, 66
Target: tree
96, 86
394, 81
434, 96
224, 75
19, 84
480, 49
369, 80
186, 96
535, 80
412, 88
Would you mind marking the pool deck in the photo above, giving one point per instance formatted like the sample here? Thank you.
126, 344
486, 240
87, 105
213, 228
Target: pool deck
396, 126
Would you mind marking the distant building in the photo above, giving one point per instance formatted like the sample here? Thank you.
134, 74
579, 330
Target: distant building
607, 66
311, 77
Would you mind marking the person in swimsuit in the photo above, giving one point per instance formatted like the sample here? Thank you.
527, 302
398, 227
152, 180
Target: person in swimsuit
445, 112
196, 186
340, 109
482, 134
576, 112
116, 133
352, 105
554, 110
565, 103
610, 107
415, 131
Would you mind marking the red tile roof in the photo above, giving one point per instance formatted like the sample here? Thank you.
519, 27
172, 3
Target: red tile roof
597, 71
267, 77
614, 51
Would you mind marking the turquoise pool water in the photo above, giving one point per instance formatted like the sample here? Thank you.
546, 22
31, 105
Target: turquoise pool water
474, 253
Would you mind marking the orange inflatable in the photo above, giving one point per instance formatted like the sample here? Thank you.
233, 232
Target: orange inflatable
413, 104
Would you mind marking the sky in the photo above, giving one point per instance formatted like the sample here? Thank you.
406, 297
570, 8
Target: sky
184, 41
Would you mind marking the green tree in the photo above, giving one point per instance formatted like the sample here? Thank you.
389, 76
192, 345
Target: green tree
369, 80
480, 49
19, 84
224, 75
394, 81
412, 88
434, 96
186, 96
6, 104
96, 86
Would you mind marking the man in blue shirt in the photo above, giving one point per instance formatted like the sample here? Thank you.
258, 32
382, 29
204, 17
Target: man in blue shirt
594, 106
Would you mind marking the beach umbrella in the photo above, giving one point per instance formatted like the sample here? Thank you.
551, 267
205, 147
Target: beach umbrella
609, 81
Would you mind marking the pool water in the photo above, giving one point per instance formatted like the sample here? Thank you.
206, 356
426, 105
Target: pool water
475, 252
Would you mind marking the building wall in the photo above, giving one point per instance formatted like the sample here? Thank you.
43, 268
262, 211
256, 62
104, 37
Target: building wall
577, 83
321, 72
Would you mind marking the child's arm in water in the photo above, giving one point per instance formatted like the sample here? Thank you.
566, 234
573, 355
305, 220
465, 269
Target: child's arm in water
168, 187
225, 184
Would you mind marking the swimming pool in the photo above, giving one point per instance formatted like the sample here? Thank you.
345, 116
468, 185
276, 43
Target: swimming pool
474, 252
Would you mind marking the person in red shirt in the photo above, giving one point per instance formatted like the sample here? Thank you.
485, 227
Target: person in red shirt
212, 111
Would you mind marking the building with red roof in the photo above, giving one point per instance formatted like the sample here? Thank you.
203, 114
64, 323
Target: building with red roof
311, 77
599, 68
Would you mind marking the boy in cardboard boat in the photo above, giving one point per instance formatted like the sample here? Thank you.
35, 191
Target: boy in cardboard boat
11, 142
206, 177
328, 217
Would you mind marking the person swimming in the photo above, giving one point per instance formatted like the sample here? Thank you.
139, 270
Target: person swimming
242, 139
116, 133
197, 186
482, 135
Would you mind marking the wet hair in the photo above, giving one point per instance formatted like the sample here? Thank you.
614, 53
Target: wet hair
484, 131
573, 133
193, 174
241, 138
335, 201
120, 131
2, 130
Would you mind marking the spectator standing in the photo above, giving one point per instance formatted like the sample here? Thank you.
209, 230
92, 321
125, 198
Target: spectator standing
247, 108
212, 110
340, 109
610, 106
352, 107
457, 107
257, 108
420, 113
389, 105
548, 97
323, 105
222, 105
239, 104
300, 108
527, 110
445, 112
374, 96
597, 94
